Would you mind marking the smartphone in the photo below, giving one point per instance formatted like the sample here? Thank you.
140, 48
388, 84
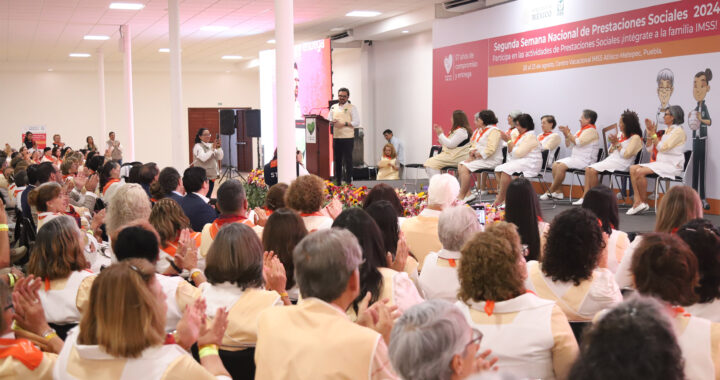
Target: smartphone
479, 212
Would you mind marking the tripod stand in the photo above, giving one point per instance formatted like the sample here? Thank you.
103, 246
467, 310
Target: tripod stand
229, 170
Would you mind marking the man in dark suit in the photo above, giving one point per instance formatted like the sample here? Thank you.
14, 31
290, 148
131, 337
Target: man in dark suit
171, 184
195, 203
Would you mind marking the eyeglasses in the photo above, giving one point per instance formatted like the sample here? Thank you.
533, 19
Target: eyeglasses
9, 307
477, 336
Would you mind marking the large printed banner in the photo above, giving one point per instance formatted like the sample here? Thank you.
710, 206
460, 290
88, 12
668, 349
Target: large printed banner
668, 30
461, 72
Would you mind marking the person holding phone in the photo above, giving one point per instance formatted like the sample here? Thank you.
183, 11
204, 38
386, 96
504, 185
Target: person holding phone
206, 154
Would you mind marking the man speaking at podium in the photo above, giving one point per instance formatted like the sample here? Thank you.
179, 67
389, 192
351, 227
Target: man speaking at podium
344, 118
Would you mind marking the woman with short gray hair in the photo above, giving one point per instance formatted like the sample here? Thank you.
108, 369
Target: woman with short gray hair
439, 278
433, 341
670, 160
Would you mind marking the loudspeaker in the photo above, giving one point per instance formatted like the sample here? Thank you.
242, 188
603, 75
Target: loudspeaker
252, 123
227, 122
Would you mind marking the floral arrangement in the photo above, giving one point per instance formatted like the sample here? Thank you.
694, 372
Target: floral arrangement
493, 214
349, 196
256, 188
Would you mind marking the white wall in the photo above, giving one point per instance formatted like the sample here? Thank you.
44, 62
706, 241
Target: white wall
401, 73
67, 103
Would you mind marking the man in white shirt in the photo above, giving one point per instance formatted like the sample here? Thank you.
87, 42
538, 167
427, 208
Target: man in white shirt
344, 118
392, 139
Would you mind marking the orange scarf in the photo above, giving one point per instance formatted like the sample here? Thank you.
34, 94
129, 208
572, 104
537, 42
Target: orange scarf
518, 138
107, 185
171, 248
544, 135
22, 350
225, 219
577, 135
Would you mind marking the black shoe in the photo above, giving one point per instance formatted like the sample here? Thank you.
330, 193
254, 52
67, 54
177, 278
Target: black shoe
706, 205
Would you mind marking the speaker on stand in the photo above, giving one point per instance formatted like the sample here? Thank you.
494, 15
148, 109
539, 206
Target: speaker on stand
253, 129
228, 140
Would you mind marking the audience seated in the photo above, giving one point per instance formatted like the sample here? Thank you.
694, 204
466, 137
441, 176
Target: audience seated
283, 231
602, 202
670, 159
274, 200
232, 204
678, 206
522, 208
433, 341
195, 202
170, 184
439, 277
529, 335
421, 231
703, 238
129, 203
524, 156
58, 261
485, 152
306, 196
317, 340
110, 180
21, 358
169, 221
383, 213
138, 240
235, 283
147, 176
381, 275
664, 267
634, 340
573, 270
385, 192
114, 341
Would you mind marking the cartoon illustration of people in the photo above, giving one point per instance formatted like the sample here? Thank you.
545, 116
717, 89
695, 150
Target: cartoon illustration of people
665, 82
699, 121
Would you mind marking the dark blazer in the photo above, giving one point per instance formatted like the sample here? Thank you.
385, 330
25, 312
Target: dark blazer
178, 198
199, 212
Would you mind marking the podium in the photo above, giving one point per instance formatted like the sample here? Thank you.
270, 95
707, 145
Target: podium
318, 146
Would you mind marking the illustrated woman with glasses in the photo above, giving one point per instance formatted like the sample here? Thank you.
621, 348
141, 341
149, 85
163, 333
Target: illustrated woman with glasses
530, 336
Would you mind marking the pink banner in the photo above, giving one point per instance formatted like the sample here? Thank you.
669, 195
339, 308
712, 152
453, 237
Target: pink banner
460, 80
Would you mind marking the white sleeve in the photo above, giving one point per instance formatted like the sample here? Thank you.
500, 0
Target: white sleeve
623, 275
219, 154
355, 117
456, 138
330, 114
201, 154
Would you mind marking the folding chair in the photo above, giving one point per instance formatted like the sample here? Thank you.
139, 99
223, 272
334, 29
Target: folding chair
490, 172
679, 179
621, 176
435, 149
548, 161
578, 172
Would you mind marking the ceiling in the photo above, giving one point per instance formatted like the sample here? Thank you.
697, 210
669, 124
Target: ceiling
46, 31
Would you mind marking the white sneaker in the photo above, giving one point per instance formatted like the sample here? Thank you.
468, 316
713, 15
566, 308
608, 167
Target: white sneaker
545, 197
578, 202
557, 195
636, 210
619, 196
468, 198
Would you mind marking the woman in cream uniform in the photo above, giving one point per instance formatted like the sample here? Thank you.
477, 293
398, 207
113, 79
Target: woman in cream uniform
455, 147
664, 267
485, 152
670, 158
622, 152
704, 240
234, 273
530, 336
525, 156
601, 200
572, 270
388, 165
548, 139
59, 262
584, 151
